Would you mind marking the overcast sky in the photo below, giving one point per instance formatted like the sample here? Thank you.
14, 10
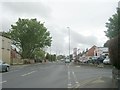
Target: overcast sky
85, 18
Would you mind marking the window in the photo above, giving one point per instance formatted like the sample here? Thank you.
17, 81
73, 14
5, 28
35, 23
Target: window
2, 44
8, 46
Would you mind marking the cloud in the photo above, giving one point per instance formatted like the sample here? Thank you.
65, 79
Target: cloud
6, 25
60, 43
11, 11
27, 8
79, 38
85, 19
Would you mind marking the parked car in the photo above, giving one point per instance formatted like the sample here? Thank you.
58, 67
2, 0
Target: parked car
106, 60
67, 61
94, 59
4, 66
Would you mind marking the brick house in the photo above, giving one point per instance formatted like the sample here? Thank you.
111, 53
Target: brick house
90, 52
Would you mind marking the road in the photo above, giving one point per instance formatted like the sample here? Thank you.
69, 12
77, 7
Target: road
57, 75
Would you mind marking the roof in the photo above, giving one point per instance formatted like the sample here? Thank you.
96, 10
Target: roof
105, 49
3, 34
92, 47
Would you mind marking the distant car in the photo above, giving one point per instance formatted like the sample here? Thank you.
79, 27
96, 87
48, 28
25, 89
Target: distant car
4, 66
106, 61
67, 61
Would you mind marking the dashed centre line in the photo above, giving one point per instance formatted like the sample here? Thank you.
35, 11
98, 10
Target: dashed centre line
28, 73
3, 82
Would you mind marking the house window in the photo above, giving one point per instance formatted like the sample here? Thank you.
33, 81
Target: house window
8, 46
3, 44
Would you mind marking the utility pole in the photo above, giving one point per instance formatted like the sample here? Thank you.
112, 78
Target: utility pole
69, 41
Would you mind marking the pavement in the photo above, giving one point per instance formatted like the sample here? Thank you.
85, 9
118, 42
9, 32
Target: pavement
21, 65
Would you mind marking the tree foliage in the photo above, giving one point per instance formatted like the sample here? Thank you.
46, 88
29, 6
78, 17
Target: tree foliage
113, 25
39, 54
114, 51
106, 44
29, 35
48, 56
113, 32
51, 57
5, 34
59, 57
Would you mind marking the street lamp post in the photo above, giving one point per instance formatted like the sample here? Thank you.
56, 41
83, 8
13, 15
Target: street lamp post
69, 41
50, 53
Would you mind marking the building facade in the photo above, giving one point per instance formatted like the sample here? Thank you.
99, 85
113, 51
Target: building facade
101, 51
90, 52
5, 48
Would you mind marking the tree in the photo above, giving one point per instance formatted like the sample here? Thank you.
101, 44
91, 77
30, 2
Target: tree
48, 56
114, 51
5, 34
106, 44
113, 25
29, 35
39, 54
113, 32
59, 57
53, 57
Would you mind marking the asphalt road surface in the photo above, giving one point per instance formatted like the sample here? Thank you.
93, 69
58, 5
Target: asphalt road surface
57, 75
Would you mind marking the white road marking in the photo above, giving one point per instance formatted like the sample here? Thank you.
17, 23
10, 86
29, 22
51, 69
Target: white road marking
3, 82
68, 75
69, 82
69, 85
69, 78
75, 78
76, 82
28, 73
77, 66
98, 80
15, 70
